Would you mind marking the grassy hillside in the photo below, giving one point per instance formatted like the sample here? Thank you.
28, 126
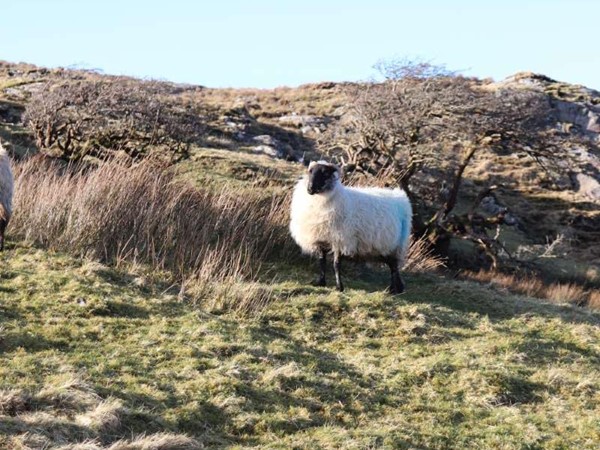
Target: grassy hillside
154, 307
94, 353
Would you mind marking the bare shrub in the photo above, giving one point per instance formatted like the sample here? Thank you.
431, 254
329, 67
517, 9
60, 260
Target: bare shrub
123, 212
422, 127
100, 116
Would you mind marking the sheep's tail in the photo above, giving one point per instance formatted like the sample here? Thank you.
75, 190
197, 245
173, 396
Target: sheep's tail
405, 230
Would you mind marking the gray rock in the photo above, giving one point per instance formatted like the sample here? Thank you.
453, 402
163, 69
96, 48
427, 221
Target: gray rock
269, 151
307, 123
585, 116
490, 205
270, 146
266, 139
587, 186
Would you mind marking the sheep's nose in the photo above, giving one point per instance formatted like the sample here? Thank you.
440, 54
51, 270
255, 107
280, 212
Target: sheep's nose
310, 190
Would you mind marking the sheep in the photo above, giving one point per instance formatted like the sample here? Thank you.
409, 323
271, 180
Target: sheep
366, 222
6, 193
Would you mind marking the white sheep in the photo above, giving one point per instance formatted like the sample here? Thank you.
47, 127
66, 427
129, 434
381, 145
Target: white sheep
6, 193
366, 222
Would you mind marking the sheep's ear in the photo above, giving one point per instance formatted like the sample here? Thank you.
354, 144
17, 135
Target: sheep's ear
337, 171
312, 164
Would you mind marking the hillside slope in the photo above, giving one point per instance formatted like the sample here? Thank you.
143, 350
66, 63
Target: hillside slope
121, 355
561, 199
92, 353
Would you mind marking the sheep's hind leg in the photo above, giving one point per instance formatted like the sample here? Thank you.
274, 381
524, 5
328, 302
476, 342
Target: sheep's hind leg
3, 224
337, 268
322, 268
396, 283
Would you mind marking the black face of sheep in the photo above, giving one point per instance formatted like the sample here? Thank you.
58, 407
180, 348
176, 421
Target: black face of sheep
321, 178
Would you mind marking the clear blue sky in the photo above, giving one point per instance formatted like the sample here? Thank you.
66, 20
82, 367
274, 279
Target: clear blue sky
262, 43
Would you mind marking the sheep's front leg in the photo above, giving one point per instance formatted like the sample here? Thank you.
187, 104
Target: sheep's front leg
322, 268
396, 284
337, 268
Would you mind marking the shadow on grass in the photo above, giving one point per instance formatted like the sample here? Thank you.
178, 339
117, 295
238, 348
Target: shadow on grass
471, 297
57, 429
542, 349
459, 296
12, 341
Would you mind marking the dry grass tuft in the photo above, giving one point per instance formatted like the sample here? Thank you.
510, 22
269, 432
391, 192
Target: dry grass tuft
106, 416
421, 258
86, 445
68, 392
284, 372
566, 293
14, 401
242, 299
158, 441
123, 212
526, 285
532, 286
66, 409
594, 300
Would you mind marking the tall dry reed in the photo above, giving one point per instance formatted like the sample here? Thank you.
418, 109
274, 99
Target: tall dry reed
209, 239
118, 211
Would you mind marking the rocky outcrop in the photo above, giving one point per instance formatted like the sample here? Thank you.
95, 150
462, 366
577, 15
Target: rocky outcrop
580, 117
587, 186
270, 146
306, 123
577, 107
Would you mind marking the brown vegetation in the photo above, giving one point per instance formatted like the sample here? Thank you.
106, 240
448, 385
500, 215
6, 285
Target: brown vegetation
532, 286
120, 211
209, 239
100, 116
421, 128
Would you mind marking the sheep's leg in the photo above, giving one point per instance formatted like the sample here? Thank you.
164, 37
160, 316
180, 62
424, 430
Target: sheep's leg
322, 268
396, 284
337, 267
3, 224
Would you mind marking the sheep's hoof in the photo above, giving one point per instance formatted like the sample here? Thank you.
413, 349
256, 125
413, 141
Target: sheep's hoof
395, 290
340, 288
319, 282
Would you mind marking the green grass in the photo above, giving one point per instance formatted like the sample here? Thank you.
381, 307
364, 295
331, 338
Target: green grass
447, 365
104, 355
217, 167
